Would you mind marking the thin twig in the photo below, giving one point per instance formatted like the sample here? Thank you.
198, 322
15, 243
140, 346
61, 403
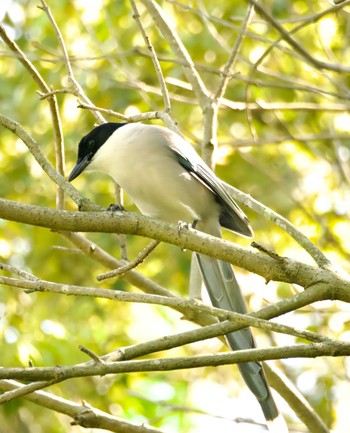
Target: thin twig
52, 101
19, 272
262, 141
275, 44
44, 95
261, 105
92, 355
296, 401
156, 64
27, 389
140, 117
101, 256
77, 88
206, 18
233, 56
82, 414
131, 265
252, 319
179, 49
318, 64
283, 223
45, 164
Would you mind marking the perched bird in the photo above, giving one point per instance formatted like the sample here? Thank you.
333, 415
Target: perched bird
167, 179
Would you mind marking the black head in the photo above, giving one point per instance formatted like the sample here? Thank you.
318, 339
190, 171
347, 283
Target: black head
90, 144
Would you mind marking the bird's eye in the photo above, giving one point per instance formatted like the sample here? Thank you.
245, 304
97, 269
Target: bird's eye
91, 144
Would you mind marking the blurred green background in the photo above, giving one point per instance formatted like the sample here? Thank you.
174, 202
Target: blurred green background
290, 151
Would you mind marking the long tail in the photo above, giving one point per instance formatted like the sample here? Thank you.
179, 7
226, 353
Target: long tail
224, 292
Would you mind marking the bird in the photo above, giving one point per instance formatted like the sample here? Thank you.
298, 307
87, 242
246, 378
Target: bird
168, 180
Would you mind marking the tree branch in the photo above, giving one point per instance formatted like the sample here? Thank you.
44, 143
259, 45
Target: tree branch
254, 319
52, 101
82, 414
233, 56
157, 67
141, 256
318, 64
330, 284
62, 373
78, 91
296, 401
179, 49
45, 164
283, 223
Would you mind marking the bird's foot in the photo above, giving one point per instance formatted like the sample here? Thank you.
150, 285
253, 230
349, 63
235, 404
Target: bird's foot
181, 225
115, 207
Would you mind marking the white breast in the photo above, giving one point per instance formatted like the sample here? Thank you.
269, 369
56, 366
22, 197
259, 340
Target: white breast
139, 159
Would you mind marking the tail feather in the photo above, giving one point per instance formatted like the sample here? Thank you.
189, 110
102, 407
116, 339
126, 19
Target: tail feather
224, 292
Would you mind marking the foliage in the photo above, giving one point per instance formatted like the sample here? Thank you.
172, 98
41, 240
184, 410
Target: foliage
282, 137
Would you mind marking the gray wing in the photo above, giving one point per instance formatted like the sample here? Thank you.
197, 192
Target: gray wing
231, 217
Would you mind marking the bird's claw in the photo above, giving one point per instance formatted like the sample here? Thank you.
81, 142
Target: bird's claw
115, 207
181, 225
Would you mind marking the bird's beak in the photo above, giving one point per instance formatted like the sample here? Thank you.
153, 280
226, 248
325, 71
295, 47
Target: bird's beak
79, 167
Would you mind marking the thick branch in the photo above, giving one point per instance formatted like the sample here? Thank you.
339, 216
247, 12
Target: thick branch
331, 285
